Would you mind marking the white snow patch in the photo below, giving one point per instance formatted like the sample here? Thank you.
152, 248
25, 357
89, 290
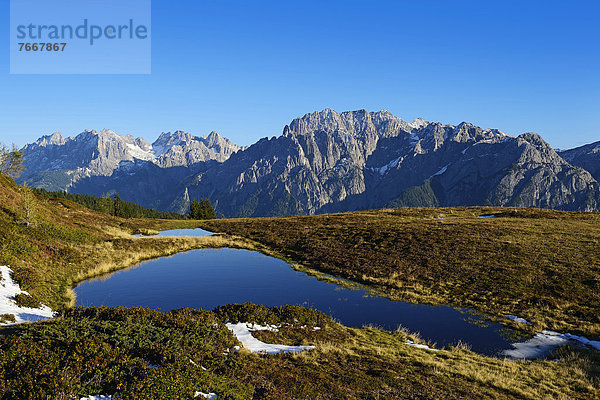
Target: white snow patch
542, 343
581, 339
315, 328
440, 172
206, 395
420, 346
491, 216
97, 397
514, 317
391, 164
243, 333
137, 152
9, 289
418, 123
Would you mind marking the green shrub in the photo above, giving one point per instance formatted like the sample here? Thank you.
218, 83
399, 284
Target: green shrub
25, 300
133, 352
7, 318
256, 313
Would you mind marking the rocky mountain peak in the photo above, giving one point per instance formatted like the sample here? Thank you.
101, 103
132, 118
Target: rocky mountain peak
55, 139
100, 153
182, 149
419, 123
541, 146
586, 157
356, 123
214, 139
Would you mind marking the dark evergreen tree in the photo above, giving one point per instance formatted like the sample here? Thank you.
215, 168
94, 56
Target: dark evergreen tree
195, 209
106, 205
202, 210
118, 206
208, 210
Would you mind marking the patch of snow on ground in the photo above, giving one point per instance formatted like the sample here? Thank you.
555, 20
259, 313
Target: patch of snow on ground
243, 333
488, 216
97, 397
518, 319
211, 396
420, 346
9, 289
543, 343
537, 347
592, 343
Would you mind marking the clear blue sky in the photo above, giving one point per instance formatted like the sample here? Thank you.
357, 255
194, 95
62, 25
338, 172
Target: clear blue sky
245, 69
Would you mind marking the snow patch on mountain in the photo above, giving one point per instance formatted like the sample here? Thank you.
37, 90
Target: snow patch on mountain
137, 152
543, 343
210, 396
391, 164
441, 171
419, 123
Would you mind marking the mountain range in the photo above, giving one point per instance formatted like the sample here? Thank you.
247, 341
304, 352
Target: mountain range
323, 162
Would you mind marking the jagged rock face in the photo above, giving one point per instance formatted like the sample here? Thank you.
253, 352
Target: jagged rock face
586, 157
522, 171
329, 162
56, 163
182, 149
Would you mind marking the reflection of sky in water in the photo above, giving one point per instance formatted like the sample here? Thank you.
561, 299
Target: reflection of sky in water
181, 232
212, 277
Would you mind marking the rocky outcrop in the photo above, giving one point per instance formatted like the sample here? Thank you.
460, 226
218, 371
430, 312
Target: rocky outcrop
182, 149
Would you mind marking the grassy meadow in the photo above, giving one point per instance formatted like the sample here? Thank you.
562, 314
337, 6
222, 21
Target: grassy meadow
541, 265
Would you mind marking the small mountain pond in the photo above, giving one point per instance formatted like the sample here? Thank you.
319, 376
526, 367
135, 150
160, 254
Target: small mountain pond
209, 278
180, 232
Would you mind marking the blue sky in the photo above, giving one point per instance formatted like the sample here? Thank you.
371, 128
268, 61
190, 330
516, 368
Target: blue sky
245, 69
